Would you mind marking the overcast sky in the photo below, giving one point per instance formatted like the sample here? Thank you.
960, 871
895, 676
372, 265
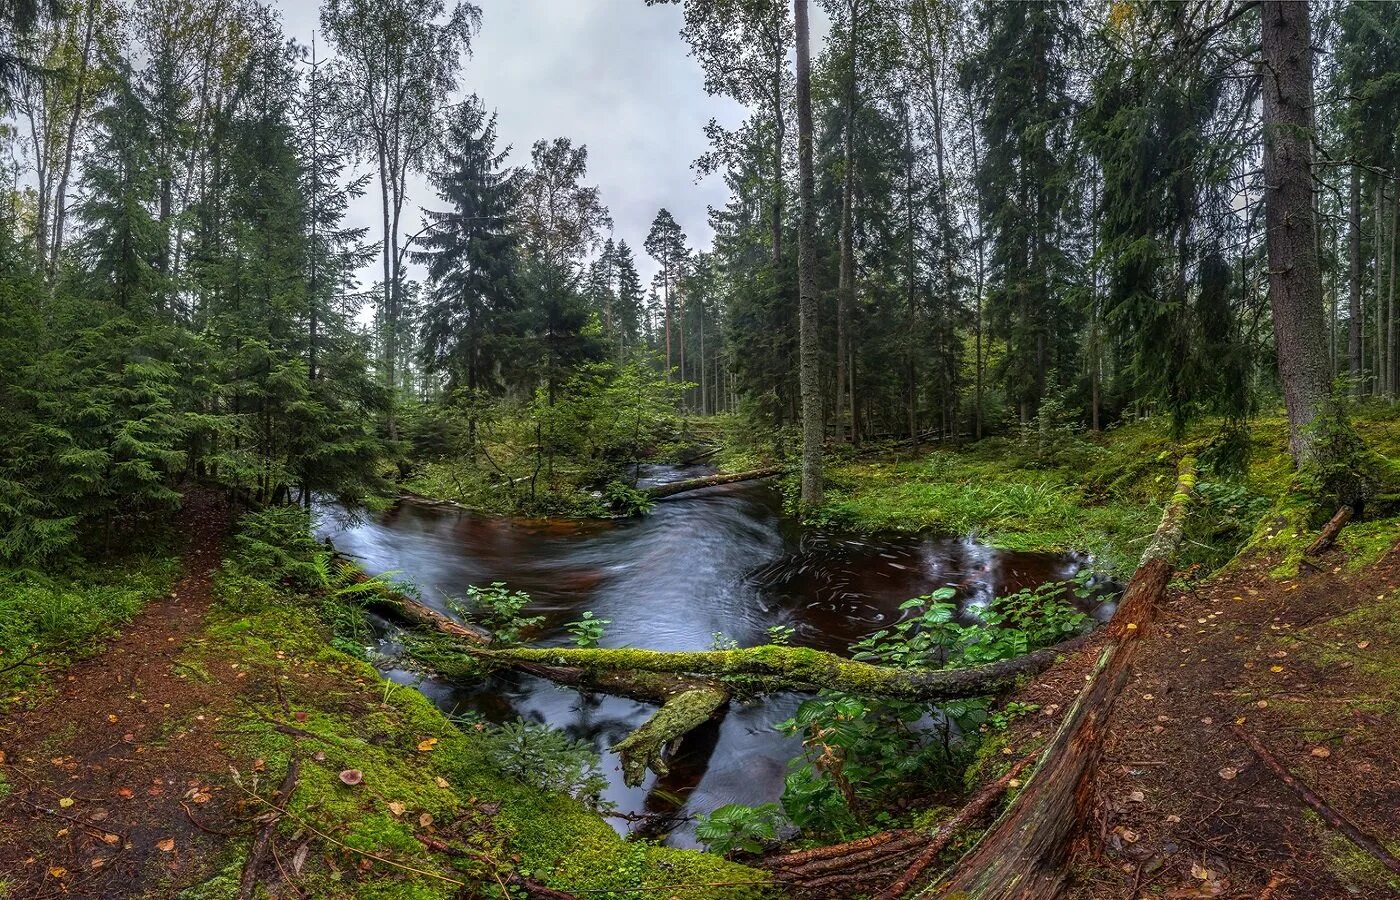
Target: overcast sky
613, 75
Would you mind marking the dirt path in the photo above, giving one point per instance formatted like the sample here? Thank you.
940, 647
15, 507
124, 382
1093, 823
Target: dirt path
102, 797
1310, 666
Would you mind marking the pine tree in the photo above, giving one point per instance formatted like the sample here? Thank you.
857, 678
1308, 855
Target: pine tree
471, 252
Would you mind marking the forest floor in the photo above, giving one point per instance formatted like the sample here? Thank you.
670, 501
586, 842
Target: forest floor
149, 768
1307, 664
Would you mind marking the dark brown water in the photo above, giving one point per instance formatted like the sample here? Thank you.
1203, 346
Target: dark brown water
722, 560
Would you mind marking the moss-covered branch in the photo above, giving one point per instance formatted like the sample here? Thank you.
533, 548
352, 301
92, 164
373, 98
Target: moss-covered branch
648, 746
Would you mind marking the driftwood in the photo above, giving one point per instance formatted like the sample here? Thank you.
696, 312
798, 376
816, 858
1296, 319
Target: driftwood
661, 491
248, 882
1024, 854
1329, 815
1329, 532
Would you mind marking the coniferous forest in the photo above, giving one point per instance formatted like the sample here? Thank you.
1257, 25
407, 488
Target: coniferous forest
993, 493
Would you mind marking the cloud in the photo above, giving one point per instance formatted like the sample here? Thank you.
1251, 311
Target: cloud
613, 75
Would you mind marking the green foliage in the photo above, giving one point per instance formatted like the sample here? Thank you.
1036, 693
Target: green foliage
587, 631
735, 828
545, 758
497, 608
49, 619
859, 754
781, 635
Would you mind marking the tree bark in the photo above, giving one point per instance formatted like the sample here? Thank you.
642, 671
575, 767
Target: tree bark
809, 374
1295, 291
846, 289
1023, 855
1355, 346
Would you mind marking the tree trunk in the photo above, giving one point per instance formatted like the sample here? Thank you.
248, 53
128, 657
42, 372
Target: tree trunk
809, 375
1355, 346
846, 289
1295, 291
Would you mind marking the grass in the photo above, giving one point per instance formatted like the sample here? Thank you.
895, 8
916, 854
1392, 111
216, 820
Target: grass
1102, 494
49, 620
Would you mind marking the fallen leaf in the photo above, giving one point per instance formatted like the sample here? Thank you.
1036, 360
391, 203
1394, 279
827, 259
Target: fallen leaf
1321, 752
427, 744
1275, 668
396, 807
1200, 871
442, 782
1137, 797
111, 718
110, 838
1172, 820
352, 777
165, 845
58, 871
425, 820
319, 756
66, 802
98, 862
1229, 772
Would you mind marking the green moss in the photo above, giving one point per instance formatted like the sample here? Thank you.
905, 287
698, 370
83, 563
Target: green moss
358, 721
1354, 867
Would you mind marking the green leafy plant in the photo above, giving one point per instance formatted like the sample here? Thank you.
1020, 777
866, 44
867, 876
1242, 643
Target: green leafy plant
588, 631
781, 635
498, 608
721, 641
736, 828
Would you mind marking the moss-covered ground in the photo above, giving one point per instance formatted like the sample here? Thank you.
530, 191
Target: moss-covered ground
427, 785
1103, 493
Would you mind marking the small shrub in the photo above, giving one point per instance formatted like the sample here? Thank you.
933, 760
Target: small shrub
498, 608
736, 828
587, 631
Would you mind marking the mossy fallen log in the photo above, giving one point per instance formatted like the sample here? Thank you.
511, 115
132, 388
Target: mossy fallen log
660, 491
776, 668
1024, 854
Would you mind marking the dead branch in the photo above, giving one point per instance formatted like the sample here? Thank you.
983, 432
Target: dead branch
248, 883
1023, 855
1329, 532
1307, 795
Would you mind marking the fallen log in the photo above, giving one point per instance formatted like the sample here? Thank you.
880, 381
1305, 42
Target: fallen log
974, 810
851, 862
661, 491
798, 669
1024, 854
1329, 532
685, 703
1307, 795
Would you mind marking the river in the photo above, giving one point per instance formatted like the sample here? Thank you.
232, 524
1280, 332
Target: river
725, 560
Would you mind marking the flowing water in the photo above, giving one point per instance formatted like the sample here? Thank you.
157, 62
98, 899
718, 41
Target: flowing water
725, 560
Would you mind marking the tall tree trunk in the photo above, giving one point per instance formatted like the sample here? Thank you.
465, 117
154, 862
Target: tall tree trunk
1390, 368
1355, 344
846, 289
60, 202
1295, 291
809, 376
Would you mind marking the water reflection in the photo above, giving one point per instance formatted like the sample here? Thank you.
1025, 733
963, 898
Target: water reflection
720, 561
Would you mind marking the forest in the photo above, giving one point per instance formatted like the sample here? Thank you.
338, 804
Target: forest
996, 494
